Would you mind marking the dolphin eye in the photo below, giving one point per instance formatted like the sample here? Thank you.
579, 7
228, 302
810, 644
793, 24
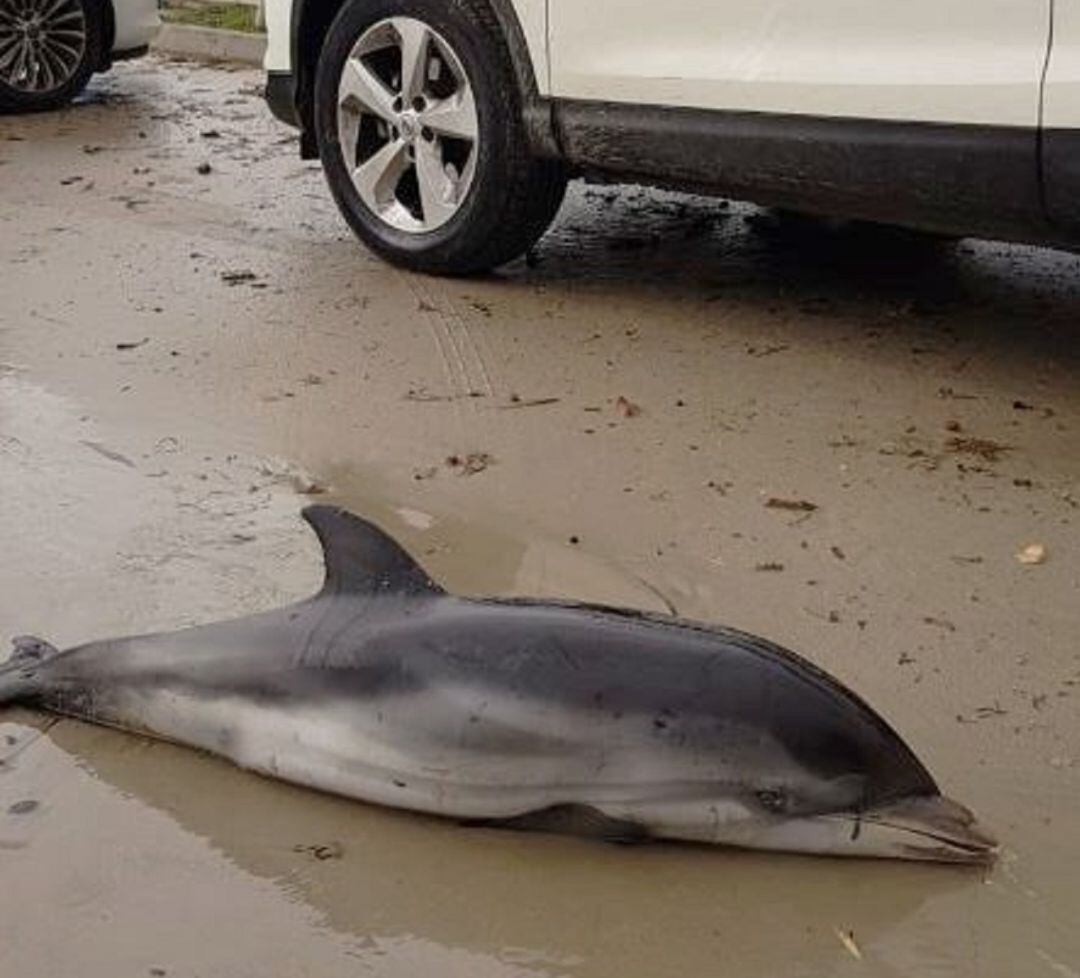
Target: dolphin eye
772, 800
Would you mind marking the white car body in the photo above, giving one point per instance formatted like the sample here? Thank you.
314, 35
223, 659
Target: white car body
136, 22
978, 99
1061, 100
950, 61
966, 61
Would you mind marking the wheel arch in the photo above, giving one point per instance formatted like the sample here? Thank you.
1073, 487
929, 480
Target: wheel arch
311, 20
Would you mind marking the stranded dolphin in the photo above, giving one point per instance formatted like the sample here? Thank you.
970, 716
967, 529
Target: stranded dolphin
523, 713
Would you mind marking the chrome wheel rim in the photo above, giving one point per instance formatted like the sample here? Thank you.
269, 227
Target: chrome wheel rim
407, 125
42, 43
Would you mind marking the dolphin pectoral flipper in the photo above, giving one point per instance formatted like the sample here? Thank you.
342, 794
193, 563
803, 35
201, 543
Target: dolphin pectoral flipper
570, 819
361, 559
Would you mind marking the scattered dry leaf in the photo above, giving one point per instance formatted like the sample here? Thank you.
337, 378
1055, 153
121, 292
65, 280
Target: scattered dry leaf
940, 623
847, 938
108, 453
627, 408
1033, 553
949, 393
518, 402
238, 276
424, 396
321, 851
470, 464
983, 448
793, 505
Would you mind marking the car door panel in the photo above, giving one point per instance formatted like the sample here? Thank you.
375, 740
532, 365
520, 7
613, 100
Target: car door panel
952, 61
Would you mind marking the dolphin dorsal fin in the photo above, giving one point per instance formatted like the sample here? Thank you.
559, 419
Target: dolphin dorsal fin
362, 559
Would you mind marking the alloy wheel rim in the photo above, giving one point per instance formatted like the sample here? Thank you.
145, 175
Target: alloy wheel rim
42, 43
407, 125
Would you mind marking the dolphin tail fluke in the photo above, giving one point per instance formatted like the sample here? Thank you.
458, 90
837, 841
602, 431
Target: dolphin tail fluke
18, 676
29, 648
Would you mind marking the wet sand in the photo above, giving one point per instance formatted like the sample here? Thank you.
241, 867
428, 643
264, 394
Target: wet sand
187, 359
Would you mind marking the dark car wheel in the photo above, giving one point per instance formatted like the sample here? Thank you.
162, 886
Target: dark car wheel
48, 50
419, 125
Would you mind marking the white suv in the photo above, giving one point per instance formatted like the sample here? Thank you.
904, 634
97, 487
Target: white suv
448, 128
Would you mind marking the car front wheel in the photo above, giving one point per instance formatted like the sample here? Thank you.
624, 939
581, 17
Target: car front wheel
48, 50
420, 132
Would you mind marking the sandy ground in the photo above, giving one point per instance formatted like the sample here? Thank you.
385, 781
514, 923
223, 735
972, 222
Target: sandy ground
186, 355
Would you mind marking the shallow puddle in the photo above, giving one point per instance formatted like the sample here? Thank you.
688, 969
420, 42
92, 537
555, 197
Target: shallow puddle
161, 857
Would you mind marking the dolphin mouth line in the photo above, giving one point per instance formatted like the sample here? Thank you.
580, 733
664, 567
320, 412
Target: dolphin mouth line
976, 850
963, 842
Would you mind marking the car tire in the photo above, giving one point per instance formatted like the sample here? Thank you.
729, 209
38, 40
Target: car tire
420, 131
47, 61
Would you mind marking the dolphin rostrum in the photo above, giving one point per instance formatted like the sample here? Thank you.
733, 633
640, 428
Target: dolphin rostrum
528, 714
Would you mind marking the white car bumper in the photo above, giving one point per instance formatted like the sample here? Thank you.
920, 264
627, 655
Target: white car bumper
137, 21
